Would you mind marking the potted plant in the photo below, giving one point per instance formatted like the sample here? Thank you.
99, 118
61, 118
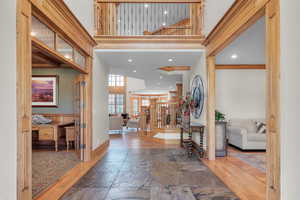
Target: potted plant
221, 135
219, 116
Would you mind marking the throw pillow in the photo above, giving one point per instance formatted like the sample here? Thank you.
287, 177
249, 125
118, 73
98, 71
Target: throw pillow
261, 127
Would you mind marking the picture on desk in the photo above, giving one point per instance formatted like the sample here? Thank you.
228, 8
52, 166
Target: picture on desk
44, 91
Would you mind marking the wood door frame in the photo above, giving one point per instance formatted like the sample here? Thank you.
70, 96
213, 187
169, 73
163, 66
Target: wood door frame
240, 17
58, 14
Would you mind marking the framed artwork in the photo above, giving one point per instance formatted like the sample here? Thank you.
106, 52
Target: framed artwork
44, 91
198, 96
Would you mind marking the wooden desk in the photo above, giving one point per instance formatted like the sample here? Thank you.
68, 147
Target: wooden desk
50, 131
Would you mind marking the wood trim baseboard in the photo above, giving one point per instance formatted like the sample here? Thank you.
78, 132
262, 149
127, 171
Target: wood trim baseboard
98, 151
57, 190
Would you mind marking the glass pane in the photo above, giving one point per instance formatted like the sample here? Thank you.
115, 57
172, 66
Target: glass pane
64, 48
135, 106
111, 99
145, 102
79, 58
120, 98
111, 109
120, 108
42, 32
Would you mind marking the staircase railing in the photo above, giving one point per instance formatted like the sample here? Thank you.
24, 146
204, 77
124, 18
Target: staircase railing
160, 116
144, 19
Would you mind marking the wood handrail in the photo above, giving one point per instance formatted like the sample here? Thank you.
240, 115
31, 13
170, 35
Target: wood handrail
181, 25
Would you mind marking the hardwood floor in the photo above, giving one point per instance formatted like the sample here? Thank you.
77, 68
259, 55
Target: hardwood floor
247, 182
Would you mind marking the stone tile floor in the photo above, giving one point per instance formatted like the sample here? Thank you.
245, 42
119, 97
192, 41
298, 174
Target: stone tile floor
144, 174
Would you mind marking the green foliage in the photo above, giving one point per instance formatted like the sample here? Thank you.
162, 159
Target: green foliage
219, 116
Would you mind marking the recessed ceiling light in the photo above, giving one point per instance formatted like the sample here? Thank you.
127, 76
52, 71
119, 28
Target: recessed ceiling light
158, 83
134, 71
33, 33
170, 60
130, 60
164, 23
161, 77
146, 5
165, 12
234, 56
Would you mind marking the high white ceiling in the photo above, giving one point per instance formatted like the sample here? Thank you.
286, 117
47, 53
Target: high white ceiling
249, 47
146, 64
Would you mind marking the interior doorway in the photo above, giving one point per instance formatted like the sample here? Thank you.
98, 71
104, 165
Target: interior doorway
230, 27
46, 42
58, 119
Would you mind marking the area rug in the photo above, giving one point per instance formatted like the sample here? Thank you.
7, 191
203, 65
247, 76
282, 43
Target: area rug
49, 166
257, 160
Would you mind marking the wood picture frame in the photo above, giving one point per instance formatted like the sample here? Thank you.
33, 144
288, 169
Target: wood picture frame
45, 90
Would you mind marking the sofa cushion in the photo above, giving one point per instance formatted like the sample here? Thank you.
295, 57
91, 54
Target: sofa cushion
247, 124
256, 137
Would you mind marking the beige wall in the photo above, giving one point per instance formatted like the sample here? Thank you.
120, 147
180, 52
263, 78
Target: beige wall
8, 118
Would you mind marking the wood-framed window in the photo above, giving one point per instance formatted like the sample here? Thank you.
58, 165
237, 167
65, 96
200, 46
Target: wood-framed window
117, 94
116, 103
145, 102
47, 35
116, 80
135, 107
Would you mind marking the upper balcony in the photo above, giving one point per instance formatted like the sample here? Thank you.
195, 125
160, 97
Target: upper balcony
123, 23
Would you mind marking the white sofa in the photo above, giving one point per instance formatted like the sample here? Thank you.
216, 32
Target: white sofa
115, 123
242, 133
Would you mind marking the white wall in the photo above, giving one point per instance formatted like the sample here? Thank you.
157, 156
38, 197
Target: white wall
290, 99
241, 93
198, 69
214, 11
249, 46
8, 136
84, 11
133, 84
100, 102
185, 82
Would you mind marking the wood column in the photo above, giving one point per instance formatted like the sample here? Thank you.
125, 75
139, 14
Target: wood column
196, 18
211, 137
24, 73
273, 99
